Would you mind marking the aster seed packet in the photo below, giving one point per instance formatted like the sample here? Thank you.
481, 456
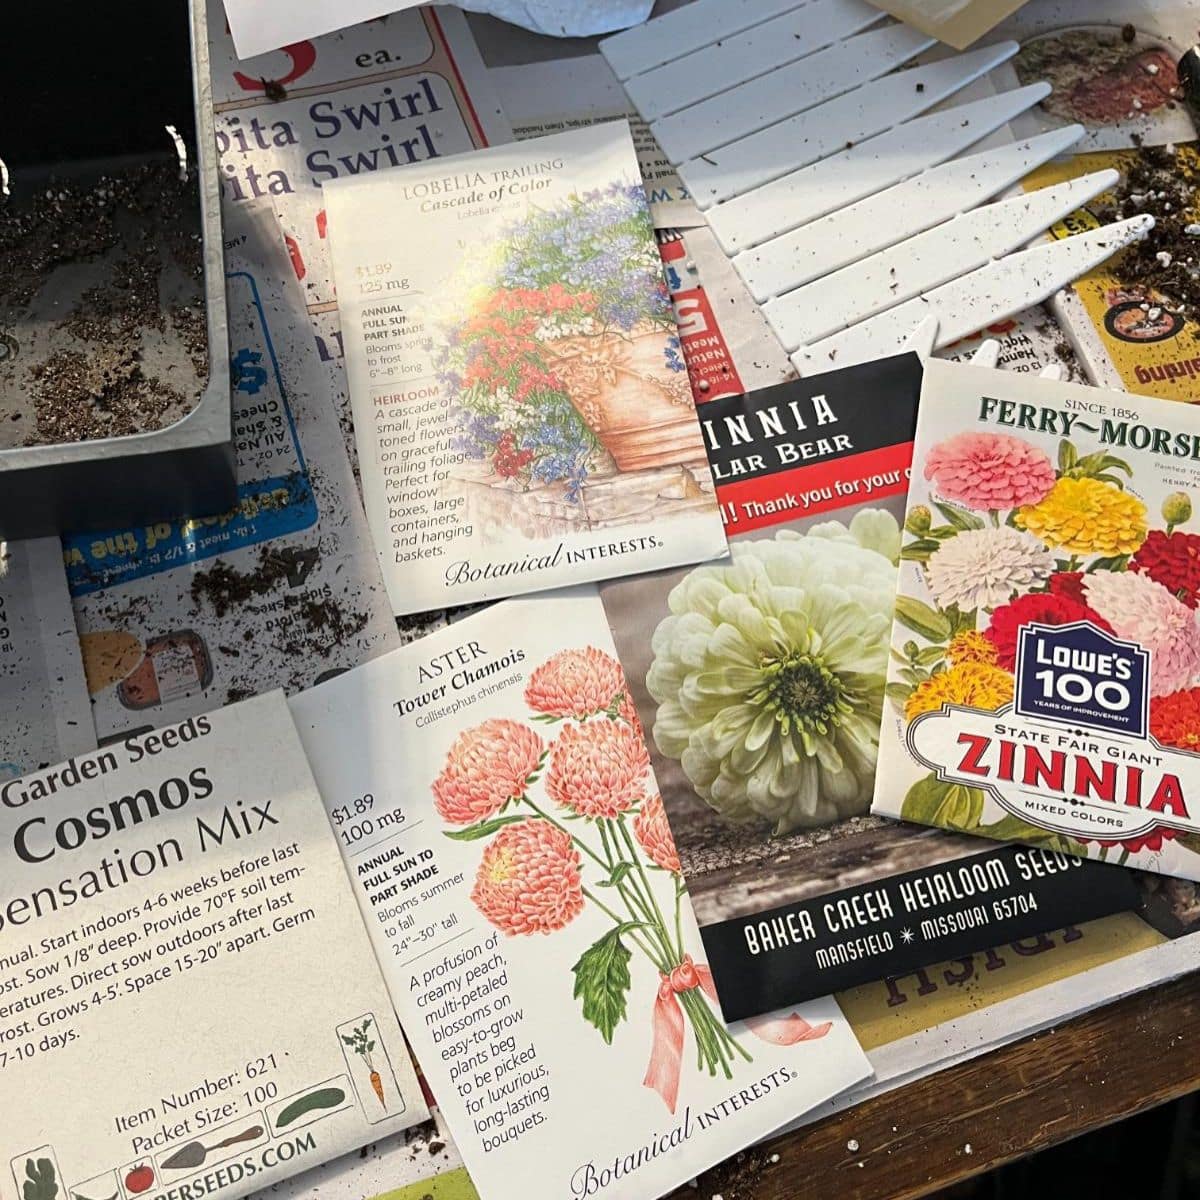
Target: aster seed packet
1044, 684
498, 816
760, 681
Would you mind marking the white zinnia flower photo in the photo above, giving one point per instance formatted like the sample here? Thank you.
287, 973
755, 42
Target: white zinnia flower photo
769, 672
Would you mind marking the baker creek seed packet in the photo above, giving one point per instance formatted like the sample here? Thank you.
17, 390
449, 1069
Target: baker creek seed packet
1044, 683
760, 681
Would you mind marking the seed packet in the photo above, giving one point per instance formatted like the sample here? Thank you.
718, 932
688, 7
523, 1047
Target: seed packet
760, 682
493, 796
1045, 665
521, 404
185, 983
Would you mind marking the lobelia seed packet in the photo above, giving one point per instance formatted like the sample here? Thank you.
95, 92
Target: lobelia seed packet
1044, 679
521, 406
760, 681
493, 797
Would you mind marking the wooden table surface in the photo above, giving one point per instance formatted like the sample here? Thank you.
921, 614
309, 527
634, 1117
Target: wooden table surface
1102, 1067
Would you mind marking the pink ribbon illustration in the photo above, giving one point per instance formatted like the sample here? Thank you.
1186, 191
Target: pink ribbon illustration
666, 1053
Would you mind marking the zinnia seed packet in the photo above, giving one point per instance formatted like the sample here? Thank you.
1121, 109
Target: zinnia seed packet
492, 791
521, 405
1044, 679
760, 682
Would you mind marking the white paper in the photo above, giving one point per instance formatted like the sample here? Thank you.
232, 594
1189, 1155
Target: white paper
262, 25
179, 617
523, 417
42, 690
188, 989
541, 1102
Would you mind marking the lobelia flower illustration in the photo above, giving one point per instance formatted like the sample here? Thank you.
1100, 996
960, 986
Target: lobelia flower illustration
769, 673
989, 471
653, 833
585, 268
528, 880
1045, 608
598, 769
984, 568
487, 766
1172, 559
1086, 516
972, 684
1143, 611
541, 870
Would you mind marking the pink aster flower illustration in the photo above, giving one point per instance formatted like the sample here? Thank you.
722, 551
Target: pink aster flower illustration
576, 683
654, 834
989, 471
486, 767
598, 769
1142, 610
528, 879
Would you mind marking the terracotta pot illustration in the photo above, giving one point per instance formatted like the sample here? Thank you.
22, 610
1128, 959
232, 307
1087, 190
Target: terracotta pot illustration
641, 412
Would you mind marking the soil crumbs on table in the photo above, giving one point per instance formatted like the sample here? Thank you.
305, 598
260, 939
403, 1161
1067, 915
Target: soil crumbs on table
102, 320
1161, 181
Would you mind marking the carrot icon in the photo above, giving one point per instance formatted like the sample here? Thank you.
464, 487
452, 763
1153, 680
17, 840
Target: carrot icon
362, 1045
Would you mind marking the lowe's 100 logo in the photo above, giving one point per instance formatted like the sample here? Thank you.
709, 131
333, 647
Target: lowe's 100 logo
1080, 675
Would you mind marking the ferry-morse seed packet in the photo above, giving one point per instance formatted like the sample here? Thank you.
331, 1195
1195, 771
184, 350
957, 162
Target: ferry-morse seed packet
1044, 684
760, 682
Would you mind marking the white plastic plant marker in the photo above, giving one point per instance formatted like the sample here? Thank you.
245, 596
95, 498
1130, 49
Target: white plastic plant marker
829, 128
790, 89
974, 301
864, 169
988, 354
921, 341
969, 241
755, 51
698, 24
899, 212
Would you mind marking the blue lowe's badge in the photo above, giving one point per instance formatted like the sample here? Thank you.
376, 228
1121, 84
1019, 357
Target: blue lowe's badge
1080, 675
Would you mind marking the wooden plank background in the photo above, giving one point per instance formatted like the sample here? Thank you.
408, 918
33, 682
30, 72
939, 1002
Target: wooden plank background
1103, 1067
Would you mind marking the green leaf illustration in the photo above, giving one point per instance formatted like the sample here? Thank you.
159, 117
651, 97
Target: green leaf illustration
922, 619
602, 982
40, 1182
919, 550
960, 518
947, 805
1189, 841
1013, 829
898, 694
482, 830
1068, 456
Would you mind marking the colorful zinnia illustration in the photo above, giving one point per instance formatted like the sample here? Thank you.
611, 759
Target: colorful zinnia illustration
984, 568
989, 471
971, 684
1172, 559
1087, 516
1140, 610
